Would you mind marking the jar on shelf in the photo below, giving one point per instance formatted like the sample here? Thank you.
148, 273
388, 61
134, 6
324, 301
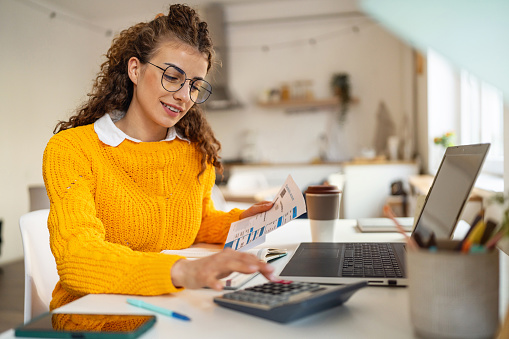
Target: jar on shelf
285, 92
308, 90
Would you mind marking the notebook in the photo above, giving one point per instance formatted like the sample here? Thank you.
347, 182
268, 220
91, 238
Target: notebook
367, 225
333, 262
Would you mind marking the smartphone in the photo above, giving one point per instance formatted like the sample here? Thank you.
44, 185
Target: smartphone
63, 325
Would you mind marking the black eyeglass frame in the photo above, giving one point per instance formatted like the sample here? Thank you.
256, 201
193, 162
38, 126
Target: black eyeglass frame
191, 81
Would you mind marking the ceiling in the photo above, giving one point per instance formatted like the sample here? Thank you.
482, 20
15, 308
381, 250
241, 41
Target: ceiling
101, 11
112, 16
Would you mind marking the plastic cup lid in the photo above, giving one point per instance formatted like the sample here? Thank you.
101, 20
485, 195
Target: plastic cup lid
323, 189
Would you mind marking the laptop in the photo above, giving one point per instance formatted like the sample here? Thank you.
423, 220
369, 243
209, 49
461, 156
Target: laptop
342, 263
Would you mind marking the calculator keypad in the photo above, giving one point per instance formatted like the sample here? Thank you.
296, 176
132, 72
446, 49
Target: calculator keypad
272, 293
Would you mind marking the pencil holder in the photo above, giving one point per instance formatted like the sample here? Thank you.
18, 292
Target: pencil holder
454, 295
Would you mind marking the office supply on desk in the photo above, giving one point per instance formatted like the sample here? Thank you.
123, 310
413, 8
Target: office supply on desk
481, 237
236, 279
384, 224
288, 204
157, 309
352, 262
411, 242
474, 237
492, 242
286, 301
452, 294
97, 326
479, 234
488, 232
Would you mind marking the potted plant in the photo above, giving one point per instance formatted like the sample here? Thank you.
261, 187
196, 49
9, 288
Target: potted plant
445, 140
340, 84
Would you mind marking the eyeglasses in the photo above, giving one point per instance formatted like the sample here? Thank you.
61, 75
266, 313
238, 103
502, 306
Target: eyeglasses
174, 78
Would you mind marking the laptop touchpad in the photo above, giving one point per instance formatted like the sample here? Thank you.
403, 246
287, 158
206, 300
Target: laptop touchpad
320, 253
317, 260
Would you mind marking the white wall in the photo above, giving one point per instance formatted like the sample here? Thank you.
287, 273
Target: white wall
378, 63
47, 68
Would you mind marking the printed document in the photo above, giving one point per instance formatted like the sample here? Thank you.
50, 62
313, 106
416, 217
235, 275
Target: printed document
249, 232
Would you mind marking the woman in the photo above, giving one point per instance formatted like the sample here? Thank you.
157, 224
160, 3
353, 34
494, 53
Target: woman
131, 173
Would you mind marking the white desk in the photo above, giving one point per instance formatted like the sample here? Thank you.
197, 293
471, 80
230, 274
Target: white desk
372, 312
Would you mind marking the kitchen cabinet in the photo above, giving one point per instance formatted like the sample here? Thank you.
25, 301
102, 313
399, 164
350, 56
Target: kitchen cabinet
303, 174
256, 182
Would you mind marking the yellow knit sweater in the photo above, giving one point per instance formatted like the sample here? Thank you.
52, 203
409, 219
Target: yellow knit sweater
113, 209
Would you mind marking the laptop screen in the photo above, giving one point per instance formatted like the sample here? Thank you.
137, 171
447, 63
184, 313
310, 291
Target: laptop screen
450, 190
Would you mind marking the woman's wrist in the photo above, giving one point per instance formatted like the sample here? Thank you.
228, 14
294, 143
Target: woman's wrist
177, 273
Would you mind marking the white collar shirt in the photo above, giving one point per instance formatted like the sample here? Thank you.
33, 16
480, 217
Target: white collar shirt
113, 136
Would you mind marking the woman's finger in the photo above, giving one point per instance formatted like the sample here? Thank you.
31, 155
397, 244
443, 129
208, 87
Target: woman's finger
256, 208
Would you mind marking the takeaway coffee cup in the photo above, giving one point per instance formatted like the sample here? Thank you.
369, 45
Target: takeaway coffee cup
322, 202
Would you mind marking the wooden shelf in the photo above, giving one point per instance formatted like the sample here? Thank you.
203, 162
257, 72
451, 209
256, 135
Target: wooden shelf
303, 105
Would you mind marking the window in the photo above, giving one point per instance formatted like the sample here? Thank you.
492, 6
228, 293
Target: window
462, 103
482, 113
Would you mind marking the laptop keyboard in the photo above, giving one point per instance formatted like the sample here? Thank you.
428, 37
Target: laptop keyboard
370, 260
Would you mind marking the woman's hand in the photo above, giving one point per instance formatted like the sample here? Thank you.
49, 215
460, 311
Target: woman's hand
256, 208
207, 271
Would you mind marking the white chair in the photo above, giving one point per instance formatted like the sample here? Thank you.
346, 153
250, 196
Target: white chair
40, 268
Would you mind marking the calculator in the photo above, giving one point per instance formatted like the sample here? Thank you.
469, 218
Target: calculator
285, 301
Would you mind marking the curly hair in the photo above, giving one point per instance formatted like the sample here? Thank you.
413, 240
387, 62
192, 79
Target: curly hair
113, 89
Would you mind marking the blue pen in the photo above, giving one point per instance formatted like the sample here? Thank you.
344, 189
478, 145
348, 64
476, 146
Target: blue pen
161, 310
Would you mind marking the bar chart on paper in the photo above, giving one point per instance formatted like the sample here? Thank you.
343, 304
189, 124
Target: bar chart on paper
288, 204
